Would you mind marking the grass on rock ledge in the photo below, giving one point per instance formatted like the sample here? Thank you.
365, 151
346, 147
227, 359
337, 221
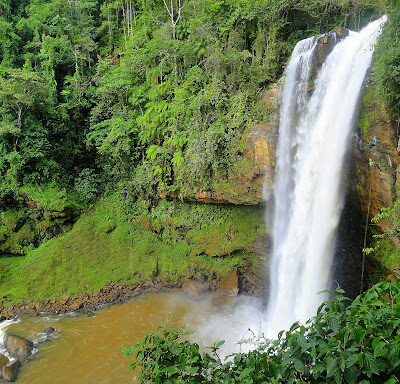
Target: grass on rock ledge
109, 245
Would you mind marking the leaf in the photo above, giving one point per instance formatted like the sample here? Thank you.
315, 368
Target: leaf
171, 371
342, 364
351, 374
351, 360
245, 373
302, 341
334, 323
370, 362
338, 378
360, 360
178, 159
379, 348
331, 366
392, 380
192, 370
221, 342
298, 365
313, 352
318, 369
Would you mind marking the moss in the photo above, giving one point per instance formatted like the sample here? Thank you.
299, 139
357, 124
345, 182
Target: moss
26, 235
38, 213
371, 111
20, 242
360, 190
109, 244
51, 197
364, 122
3, 233
364, 126
12, 218
388, 255
386, 258
47, 225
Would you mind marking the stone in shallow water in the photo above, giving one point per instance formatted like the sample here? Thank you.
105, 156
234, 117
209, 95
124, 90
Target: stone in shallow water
17, 346
49, 330
10, 371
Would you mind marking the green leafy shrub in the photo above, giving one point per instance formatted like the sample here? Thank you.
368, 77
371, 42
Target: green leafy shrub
387, 64
12, 218
356, 343
87, 184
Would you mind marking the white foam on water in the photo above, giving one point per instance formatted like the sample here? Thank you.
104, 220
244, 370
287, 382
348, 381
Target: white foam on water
3, 326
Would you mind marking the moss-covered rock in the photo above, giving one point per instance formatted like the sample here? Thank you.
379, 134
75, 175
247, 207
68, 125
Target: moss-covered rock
116, 243
247, 183
375, 122
28, 217
374, 189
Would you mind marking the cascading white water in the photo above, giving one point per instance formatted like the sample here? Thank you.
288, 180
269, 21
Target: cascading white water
313, 139
5, 324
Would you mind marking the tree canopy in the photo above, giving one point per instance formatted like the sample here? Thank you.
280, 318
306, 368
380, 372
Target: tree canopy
149, 95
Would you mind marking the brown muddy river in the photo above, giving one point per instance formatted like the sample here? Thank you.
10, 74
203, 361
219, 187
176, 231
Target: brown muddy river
89, 349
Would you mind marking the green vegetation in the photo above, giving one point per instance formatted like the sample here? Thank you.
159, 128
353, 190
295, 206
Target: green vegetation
147, 95
382, 100
385, 245
358, 343
174, 240
147, 98
34, 215
387, 63
368, 114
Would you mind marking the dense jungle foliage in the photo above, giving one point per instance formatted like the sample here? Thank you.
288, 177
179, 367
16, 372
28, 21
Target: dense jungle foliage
147, 95
145, 98
344, 343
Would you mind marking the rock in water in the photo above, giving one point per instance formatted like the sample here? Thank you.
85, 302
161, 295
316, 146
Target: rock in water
49, 331
194, 288
3, 361
18, 347
10, 371
229, 283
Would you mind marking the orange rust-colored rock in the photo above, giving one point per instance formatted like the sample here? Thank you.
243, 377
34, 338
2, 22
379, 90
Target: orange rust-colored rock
194, 289
32, 204
229, 284
247, 184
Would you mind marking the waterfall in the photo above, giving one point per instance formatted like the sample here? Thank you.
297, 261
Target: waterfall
313, 138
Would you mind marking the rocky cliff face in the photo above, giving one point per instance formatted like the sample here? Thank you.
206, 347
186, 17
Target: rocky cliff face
251, 180
367, 189
371, 187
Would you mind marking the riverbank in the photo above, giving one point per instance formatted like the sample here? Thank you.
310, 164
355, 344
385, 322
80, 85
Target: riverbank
234, 282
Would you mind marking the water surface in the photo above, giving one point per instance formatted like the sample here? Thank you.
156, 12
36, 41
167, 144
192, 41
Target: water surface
88, 349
